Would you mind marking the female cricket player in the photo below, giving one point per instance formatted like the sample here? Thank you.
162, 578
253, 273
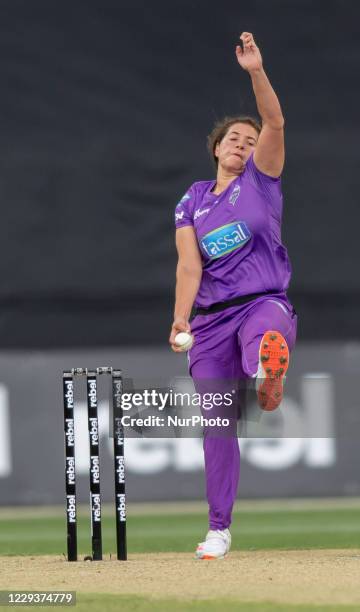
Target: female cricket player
234, 269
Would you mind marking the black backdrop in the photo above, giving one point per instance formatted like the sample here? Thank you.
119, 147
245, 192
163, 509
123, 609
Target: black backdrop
104, 111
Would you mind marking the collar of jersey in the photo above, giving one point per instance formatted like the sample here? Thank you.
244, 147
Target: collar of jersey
218, 195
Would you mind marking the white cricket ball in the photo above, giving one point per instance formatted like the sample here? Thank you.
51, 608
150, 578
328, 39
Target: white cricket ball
184, 340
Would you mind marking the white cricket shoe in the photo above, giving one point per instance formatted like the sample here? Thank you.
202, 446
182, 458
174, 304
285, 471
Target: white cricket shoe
216, 546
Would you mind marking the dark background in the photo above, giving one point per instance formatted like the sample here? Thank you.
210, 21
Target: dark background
104, 110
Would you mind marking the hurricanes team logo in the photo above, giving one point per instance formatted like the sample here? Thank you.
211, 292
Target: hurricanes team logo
234, 195
225, 239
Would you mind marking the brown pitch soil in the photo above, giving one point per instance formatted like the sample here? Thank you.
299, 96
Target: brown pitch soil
298, 576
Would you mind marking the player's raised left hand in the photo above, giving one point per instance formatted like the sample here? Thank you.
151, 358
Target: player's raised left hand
249, 57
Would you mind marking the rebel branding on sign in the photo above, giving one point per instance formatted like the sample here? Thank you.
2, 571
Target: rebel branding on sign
115, 401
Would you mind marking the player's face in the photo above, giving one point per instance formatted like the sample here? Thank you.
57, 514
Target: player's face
236, 147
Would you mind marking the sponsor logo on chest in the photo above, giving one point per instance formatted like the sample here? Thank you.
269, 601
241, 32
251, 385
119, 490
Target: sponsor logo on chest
199, 213
225, 239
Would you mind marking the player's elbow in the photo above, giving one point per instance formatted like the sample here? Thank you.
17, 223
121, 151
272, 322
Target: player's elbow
189, 268
281, 123
276, 123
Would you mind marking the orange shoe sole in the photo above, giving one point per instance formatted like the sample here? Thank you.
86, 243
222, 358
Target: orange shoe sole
274, 358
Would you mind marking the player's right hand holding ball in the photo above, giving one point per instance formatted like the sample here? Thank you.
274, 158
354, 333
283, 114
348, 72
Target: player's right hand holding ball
180, 338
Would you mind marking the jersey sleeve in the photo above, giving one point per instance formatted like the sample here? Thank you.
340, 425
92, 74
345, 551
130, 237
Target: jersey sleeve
184, 209
269, 185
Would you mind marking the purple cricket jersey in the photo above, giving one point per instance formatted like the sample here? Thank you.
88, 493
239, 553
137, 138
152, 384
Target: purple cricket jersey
239, 236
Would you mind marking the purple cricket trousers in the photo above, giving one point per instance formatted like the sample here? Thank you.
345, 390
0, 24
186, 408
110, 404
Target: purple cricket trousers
227, 347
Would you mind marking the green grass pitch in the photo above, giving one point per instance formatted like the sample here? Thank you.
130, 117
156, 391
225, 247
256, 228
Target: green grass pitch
280, 529
251, 530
